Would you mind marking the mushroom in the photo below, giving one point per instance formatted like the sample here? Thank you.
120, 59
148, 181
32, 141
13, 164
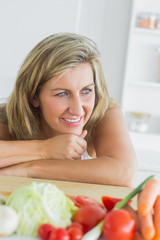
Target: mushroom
8, 220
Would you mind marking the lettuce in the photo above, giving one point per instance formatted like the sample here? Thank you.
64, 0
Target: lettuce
40, 203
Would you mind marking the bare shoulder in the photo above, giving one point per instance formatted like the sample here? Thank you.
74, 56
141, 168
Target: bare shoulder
112, 120
4, 132
111, 135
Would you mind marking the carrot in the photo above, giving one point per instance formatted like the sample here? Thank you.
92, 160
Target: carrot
147, 227
155, 238
156, 217
138, 236
148, 196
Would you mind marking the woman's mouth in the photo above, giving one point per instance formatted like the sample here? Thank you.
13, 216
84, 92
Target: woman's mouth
72, 121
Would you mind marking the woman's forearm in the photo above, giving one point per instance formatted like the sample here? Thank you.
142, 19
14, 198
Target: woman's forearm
14, 152
64, 146
23, 158
101, 170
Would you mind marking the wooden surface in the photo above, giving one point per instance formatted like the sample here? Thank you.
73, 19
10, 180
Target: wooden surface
9, 184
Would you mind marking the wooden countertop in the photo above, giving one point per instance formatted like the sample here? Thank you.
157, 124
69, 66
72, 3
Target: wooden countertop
9, 184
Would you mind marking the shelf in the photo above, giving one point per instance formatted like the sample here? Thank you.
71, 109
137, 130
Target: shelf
147, 31
141, 91
146, 142
145, 135
145, 84
147, 151
148, 160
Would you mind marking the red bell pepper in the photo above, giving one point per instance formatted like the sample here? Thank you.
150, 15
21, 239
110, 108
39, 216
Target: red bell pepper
110, 202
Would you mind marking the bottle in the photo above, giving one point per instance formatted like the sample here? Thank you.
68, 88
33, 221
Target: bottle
147, 20
139, 122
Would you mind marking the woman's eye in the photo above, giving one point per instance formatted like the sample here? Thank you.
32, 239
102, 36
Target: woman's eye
62, 94
87, 90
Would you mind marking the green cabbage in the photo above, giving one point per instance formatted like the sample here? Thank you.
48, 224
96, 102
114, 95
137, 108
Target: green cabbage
40, 203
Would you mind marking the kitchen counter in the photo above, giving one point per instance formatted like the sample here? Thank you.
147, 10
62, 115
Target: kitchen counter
9, 184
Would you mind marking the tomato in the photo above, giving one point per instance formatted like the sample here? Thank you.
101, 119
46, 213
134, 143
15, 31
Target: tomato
76, 224
75, 201
134, 214
45, 230
110, 202
82, 200
85, 200
119, 225
89, 216
59, 234
75, 231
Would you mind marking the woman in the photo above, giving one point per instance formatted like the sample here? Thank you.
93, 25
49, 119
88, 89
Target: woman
59, 122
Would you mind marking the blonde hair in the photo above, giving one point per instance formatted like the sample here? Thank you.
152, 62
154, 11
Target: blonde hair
52, 56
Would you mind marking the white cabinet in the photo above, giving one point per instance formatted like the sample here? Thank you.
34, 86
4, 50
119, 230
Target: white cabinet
141, 90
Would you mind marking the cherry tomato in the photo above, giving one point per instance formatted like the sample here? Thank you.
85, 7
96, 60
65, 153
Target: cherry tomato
82, 200
45, 230
76, 224
119, 225
75, 232
59, 234
110, 202
89, 216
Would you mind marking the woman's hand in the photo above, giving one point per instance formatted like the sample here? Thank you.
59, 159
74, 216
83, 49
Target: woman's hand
64, 146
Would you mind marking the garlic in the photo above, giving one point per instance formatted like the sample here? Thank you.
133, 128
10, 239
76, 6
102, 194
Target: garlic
8, 220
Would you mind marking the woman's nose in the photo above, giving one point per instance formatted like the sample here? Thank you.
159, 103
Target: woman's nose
76, 107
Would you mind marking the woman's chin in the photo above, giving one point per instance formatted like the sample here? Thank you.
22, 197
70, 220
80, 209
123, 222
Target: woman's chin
75, 132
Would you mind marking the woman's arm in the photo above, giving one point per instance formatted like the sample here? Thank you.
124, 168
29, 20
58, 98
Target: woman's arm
112, 141
66, 146
115, 163
96, 170
12, 152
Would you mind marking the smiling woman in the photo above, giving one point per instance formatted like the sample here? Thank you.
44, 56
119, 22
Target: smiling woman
59, 111
67, 103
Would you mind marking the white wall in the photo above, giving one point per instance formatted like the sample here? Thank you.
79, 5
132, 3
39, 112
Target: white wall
23, 23
114, 45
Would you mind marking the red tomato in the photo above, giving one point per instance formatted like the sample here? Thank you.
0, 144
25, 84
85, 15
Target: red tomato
74, 201
45, 230
75, 232
119, 225
76, 224
89, 216
110, 202
59, 234
82, 200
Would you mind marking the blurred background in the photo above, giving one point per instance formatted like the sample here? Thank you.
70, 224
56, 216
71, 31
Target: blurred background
23, 23
127, 33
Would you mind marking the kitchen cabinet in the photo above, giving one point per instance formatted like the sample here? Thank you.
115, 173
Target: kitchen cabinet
141, 90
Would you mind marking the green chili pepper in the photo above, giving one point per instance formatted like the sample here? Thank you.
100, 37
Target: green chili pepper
125, 200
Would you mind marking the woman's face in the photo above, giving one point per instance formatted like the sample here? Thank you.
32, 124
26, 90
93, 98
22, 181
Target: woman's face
67, 101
